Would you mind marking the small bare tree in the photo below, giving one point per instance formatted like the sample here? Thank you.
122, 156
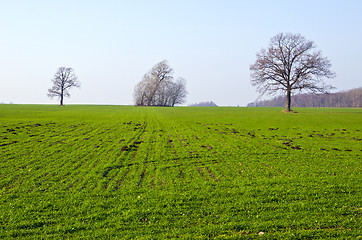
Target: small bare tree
290, 64
64, 79
140, 94
178, 92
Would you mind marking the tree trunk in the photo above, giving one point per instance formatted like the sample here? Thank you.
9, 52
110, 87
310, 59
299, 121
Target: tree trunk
288, 100
61, 98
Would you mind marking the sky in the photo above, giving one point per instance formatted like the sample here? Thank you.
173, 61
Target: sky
211, 43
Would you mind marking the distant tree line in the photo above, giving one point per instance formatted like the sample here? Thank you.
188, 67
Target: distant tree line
158, 88
351, 98
204, 104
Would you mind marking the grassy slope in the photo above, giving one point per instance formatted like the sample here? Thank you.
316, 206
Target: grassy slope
128, 172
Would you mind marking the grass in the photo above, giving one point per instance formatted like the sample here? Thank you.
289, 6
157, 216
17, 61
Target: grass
154, 173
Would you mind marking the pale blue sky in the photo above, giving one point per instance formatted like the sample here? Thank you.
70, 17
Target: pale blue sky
112, 44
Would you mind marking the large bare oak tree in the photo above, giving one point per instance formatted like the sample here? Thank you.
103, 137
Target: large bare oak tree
64, 79
290, 63
158, 87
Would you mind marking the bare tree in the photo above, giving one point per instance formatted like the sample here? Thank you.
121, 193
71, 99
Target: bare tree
157, 87
139, 93
178, 92
290, 64
64, 79
160, 74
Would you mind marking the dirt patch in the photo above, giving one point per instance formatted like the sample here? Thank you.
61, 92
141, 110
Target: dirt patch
6, 144
291, 111
212, 175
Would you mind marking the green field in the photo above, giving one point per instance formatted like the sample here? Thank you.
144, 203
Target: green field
196, 173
